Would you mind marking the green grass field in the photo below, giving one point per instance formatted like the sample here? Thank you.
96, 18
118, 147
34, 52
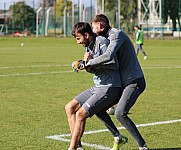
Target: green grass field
36, 81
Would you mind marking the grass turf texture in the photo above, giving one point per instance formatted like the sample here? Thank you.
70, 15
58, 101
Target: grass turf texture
32, 105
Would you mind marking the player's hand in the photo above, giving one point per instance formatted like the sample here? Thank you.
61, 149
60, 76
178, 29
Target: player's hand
78, 65
87, 56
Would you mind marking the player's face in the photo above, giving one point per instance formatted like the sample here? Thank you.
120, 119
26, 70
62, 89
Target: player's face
96, 27
82, 39
136, 29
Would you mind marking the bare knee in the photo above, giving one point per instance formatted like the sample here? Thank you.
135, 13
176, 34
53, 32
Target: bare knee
72, 107
68, 108
81, 114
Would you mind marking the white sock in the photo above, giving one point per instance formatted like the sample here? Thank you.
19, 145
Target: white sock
118, 138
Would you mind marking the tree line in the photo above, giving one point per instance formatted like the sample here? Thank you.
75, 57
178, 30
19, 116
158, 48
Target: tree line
24, 16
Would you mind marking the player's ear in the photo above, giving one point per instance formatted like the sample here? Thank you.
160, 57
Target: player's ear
86, 35
101, 26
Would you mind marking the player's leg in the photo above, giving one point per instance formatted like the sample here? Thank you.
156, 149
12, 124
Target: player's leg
142, 51
128, 99
107, 121
81, 116
137, 49
110, 98
119, 139
102, 98
73, 106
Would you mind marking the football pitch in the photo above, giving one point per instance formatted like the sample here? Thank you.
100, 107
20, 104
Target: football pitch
36, 82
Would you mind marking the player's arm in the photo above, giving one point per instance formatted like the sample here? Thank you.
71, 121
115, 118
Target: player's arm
137, 36
91, 69
116, 42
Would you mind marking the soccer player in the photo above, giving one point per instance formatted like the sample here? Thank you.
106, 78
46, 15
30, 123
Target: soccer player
105, 92
131, 73
139, 41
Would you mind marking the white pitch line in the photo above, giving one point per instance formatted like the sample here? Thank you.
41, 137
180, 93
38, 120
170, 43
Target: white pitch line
34, 73
120, 128
59, 72
34, 66
60, 137
161, 67
67, 65
83, 143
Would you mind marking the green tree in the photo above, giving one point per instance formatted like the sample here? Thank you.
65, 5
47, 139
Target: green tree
110, 7
24, 16
60, 6
127, 12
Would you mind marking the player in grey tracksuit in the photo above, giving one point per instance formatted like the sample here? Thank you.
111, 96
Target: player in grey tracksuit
106, 77
105, 92
131, 73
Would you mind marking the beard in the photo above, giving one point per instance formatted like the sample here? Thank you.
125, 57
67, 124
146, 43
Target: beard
86, 43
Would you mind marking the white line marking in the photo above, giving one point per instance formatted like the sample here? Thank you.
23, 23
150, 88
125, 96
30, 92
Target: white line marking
60, 137
161, 67
67, 71
34, 73
33, 66
68, 65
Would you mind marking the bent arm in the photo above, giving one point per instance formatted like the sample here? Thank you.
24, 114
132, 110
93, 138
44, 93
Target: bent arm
116, 41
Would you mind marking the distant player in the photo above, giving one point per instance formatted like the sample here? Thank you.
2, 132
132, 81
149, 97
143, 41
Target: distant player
139, 41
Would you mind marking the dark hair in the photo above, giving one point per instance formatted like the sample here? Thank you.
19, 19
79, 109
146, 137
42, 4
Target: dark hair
137, 26
102, 19
82, 28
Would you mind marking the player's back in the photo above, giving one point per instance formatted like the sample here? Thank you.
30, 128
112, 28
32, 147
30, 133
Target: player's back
128, 63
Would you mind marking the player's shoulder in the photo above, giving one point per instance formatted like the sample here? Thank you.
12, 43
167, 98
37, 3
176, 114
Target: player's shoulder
116, 34
114, 31
102, 40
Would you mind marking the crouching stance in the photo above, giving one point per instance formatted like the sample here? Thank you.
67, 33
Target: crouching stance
98, 98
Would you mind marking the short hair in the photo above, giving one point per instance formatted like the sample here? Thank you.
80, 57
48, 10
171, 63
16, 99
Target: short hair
137, 26
82, 28
102, 19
